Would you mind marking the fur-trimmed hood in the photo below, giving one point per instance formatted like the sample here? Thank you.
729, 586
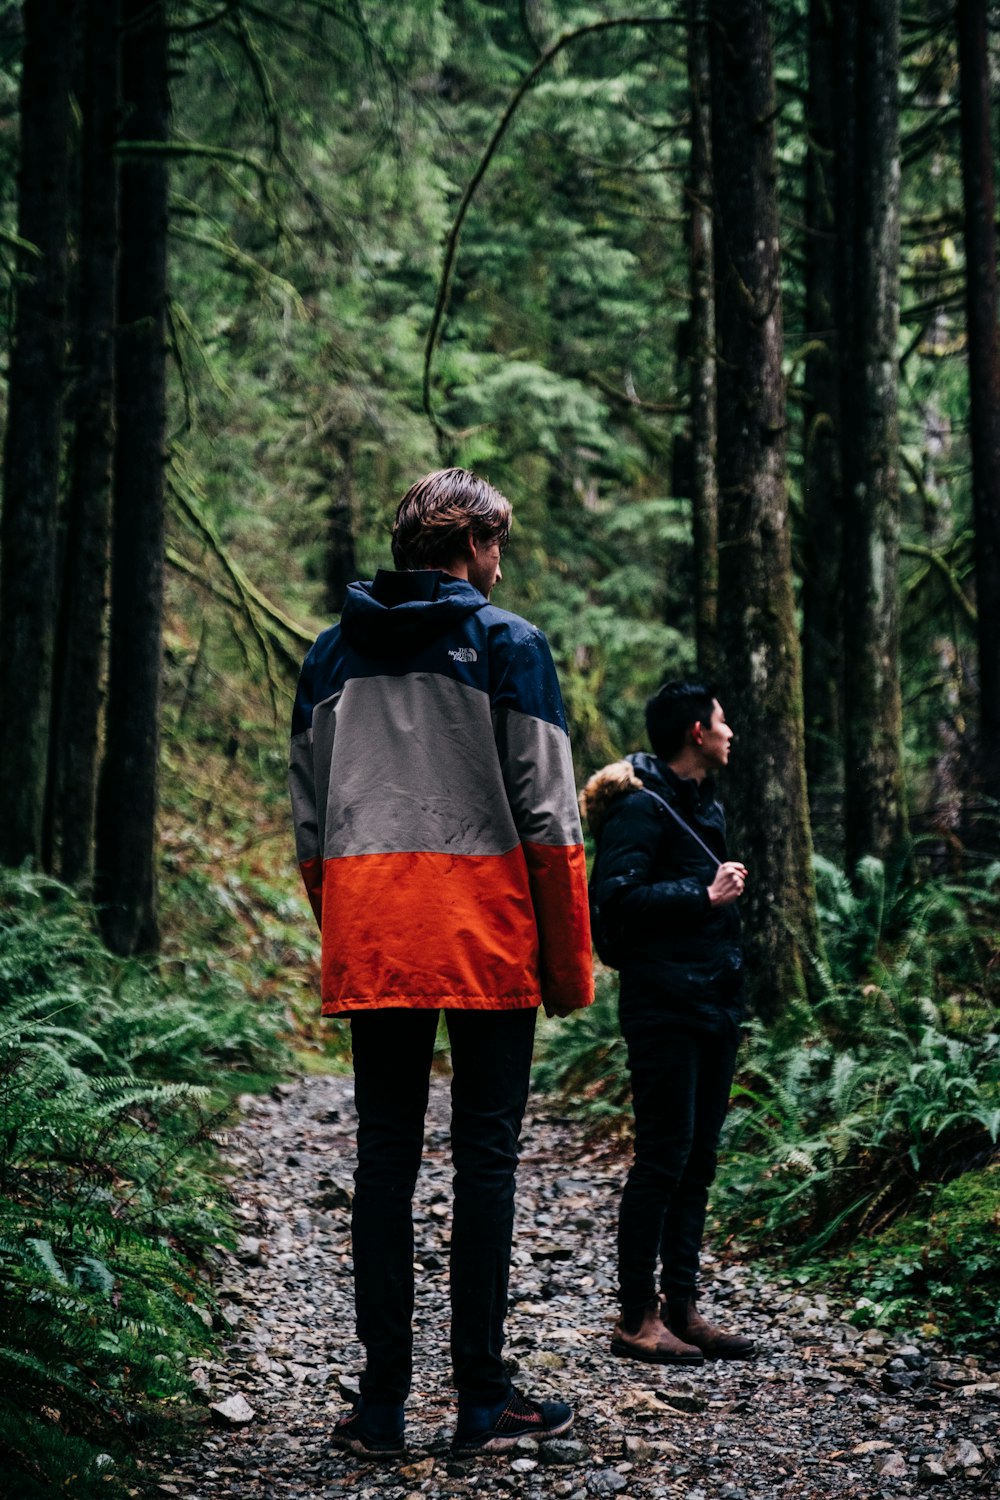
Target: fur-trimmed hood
637, 772
603, 788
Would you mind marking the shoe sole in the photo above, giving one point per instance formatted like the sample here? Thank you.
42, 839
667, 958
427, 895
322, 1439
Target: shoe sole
626, 1351
360, 1450
502, 1442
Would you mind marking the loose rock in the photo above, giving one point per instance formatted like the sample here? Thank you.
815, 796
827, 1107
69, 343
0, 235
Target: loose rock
606, 1482
809, 1417
963, 1455
563, 1451
637, 1449
235, 1411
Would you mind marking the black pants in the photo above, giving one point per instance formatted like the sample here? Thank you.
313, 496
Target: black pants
491, 1060
681, 1076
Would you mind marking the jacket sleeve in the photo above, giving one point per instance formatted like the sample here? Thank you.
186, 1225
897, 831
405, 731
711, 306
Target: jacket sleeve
302, 787
626, 890
533, 745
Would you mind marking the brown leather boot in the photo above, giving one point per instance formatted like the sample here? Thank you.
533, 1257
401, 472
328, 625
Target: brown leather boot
681, 1316
653, 1341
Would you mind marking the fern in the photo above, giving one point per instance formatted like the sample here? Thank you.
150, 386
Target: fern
110, 1194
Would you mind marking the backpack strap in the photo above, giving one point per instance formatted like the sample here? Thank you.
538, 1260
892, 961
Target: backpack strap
684, 824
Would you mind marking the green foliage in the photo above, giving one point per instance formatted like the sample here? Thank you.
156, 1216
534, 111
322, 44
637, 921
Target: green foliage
110, 1196
302, 378
825, 1141
851, 1132
935, 1269
92, 1013
305, 265
583, 1059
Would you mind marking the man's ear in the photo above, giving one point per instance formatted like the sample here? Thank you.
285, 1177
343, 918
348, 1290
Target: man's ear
697, 733
465, 549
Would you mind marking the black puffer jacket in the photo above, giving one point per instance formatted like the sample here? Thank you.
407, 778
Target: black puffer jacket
680, 954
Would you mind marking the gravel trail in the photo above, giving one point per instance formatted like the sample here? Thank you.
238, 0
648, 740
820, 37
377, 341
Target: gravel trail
823, 1411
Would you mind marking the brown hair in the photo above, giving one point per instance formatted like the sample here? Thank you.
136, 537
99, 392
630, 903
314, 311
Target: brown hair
436, 513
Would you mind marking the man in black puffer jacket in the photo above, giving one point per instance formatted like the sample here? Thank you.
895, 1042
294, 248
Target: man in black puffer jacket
668, 897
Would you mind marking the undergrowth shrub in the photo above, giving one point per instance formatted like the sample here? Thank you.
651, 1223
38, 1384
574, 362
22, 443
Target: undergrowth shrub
936, 1267
110, 1195
584, 1061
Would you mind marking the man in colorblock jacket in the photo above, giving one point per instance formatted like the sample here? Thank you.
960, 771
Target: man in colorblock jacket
439, 840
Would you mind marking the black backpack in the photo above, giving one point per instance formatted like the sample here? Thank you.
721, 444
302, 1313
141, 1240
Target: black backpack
608, 944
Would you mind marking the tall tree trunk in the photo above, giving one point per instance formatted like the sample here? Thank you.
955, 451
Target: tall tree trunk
875, 822
32, 446
125, 880
984, 367
705, 489
80, 647
822, 635
760, 677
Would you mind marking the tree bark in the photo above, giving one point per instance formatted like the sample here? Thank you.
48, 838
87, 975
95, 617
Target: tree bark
984, 369
705, 491
80, 647
875, 821
32, 445
125, 879
760, 680
829, 138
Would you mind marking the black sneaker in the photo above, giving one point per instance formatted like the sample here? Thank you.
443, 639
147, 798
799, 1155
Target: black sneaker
371, 1431
491, 1429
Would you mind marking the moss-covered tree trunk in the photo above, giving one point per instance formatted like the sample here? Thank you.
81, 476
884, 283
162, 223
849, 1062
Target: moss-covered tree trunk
984, 368
124, 881
760, 678
31, 460
704, 485
875, 822
80, 647
822, 634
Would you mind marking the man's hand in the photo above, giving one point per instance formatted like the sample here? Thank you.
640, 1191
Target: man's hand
728, 884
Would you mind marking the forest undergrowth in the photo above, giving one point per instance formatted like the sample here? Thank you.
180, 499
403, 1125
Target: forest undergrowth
117, 1082
117, 1088
862, 1143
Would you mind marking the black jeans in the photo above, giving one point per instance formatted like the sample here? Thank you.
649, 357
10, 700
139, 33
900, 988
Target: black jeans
681, 1076
491, 1060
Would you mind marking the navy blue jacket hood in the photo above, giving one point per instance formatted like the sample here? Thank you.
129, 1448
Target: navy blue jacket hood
398, 614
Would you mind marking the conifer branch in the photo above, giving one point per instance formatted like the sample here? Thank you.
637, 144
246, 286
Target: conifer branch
268, 624
193, 148
454, 233
7, 237
207, 22
938, 560
624, 398
238, 260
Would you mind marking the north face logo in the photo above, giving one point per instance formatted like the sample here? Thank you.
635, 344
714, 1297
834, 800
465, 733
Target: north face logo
464, 653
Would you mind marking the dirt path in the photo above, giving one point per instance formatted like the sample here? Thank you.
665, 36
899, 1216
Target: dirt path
819, 1413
